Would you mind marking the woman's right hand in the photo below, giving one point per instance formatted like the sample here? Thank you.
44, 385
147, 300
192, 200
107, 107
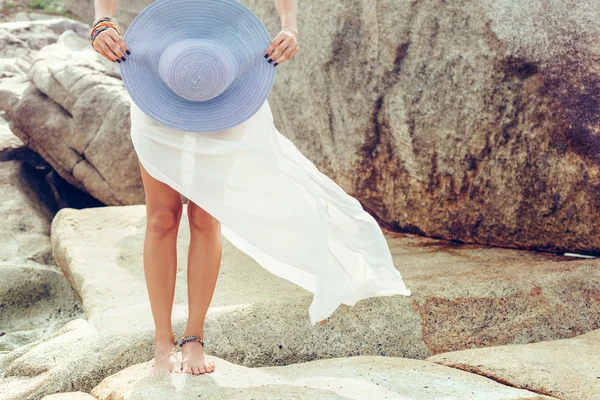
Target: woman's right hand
111, 45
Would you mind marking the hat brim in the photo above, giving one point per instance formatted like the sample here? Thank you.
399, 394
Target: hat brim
165, 21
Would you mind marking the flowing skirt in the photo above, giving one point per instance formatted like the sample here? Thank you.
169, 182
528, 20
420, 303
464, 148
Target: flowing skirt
276, 206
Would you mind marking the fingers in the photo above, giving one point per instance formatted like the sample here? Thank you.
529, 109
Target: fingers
287, 54
284, 50
118, 39
274, 43
111, 45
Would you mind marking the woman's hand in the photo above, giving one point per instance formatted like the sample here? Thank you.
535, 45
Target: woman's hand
111, 45
283, 47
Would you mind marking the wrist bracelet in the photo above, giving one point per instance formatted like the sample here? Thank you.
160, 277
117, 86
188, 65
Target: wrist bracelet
97, 32
105, 18
105, 23
100, 27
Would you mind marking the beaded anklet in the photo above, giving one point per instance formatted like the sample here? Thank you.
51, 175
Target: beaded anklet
191, 338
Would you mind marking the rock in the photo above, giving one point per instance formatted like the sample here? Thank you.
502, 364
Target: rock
11, 93
39, 33
57, 363
51, 99
21, 39
78, 355
28, 15
62, 114
466, 121
564, 368
358, 378
11, 147
26, 222
35, 298
69, 396
36, 301
466, 295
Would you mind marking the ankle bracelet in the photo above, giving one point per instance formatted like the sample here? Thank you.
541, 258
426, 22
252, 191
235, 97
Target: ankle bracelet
191, 338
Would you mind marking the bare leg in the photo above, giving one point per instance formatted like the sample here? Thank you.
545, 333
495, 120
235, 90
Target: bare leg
164, 208
204, 261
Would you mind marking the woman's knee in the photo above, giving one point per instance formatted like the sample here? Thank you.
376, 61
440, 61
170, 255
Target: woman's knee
164, 220
200, 220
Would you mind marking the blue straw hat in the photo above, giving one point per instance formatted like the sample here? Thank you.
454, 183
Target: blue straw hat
197, 65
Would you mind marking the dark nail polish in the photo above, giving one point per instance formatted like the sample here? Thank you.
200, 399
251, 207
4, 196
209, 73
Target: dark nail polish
270, 61
123, 58
275, 64
128, 52
117, 60
266, 55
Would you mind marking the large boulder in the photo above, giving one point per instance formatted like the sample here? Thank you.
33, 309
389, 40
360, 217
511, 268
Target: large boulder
74, 111
468, 120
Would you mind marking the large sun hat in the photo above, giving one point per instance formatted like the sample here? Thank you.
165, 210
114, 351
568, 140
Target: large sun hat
197, 65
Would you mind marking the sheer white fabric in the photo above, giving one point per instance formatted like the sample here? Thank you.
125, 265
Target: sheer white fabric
276, 206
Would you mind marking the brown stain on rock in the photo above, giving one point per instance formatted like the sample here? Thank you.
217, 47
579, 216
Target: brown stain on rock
525, 317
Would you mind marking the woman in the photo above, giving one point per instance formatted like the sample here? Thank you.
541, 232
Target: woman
164, 209
252, 185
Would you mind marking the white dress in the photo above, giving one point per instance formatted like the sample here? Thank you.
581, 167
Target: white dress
276, 206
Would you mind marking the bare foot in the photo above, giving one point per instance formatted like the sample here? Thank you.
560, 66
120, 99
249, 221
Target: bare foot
165, 358
193, 361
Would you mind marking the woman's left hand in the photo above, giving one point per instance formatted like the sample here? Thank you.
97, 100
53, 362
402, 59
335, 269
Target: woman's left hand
283, 47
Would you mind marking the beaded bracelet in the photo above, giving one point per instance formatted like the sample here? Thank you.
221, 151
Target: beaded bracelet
97, 32
103, 24
100, 26
105, 18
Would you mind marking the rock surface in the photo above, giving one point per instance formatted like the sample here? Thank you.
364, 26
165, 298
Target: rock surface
21, 39
69, 396
563, 368
74, 111
463, 120
466, 295
35, 299
11, 147
258, 319
73, 358
356, 378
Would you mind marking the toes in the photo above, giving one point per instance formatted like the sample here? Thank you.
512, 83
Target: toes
187, 370
196, 370
202, 370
